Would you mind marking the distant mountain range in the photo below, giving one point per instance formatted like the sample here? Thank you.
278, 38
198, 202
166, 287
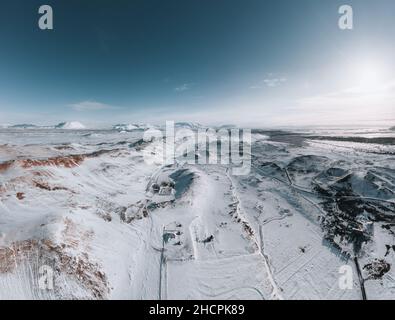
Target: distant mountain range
73, 125
76, 125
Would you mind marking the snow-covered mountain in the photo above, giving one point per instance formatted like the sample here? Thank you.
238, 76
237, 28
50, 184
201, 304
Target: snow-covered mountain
73, 125
131, 126
125, 127
24, 126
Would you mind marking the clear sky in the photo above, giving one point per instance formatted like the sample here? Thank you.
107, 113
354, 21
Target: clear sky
255, 62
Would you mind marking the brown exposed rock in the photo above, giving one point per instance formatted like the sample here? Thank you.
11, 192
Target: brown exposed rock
20, 195
12, 255
46, 186
67, 162
4, 166
78, 266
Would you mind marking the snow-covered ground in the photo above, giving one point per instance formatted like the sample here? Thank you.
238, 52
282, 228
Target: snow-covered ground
86, 206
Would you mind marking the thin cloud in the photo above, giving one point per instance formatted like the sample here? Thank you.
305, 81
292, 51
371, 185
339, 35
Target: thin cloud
183, 87
270, 81
91, 106
274, 82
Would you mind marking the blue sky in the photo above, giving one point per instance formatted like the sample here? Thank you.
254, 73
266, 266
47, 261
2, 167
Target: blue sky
253, 62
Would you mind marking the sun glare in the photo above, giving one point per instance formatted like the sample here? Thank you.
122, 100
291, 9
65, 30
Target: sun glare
369, 75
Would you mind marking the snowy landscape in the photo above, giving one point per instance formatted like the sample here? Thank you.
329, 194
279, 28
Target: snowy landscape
178, 150
86, 205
